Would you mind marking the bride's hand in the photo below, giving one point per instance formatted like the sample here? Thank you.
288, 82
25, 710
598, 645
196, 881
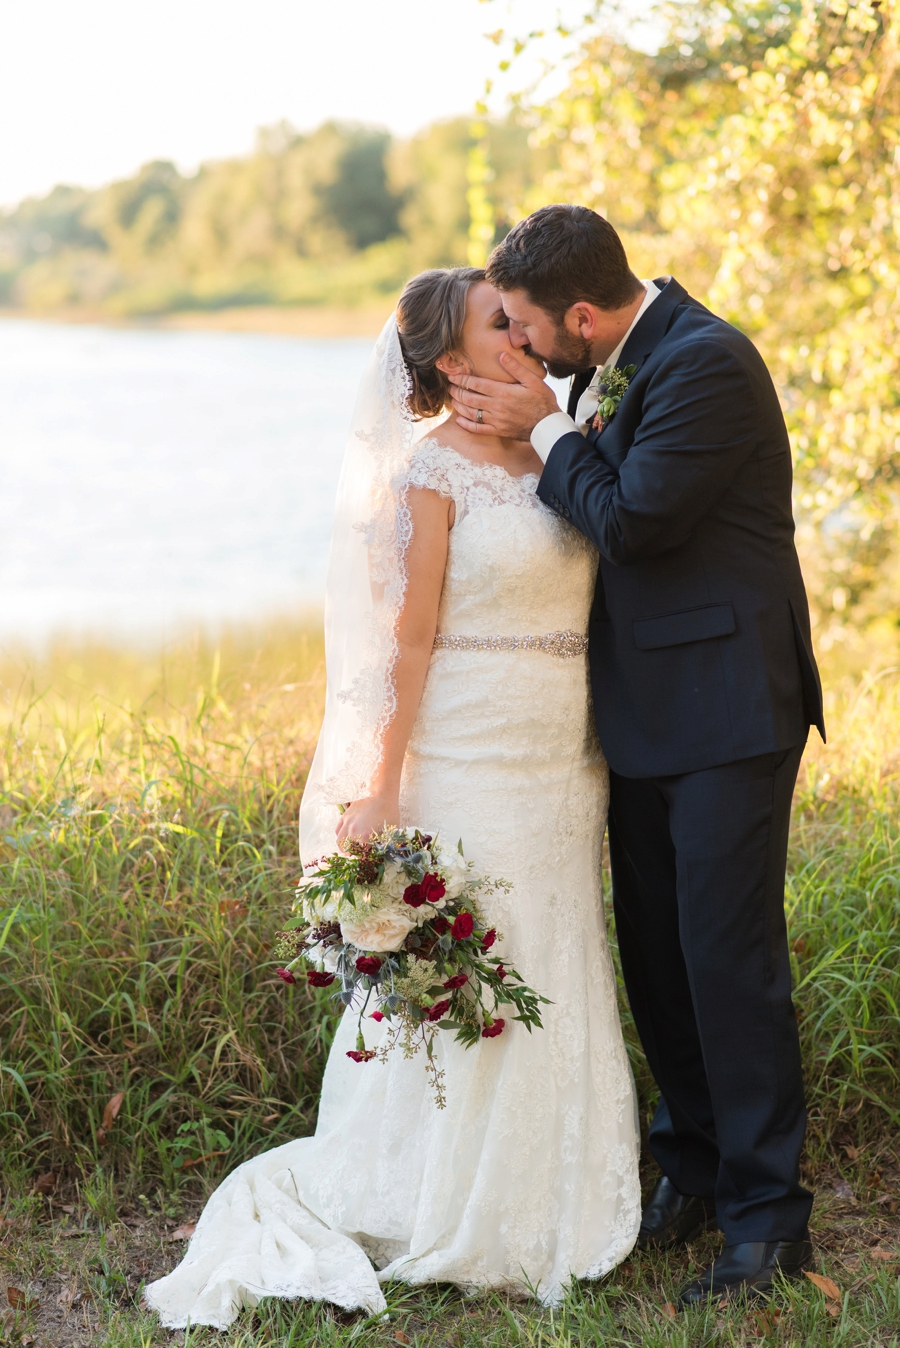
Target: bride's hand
363, 818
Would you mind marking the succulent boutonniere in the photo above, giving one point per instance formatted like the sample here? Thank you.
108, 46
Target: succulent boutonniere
610, 391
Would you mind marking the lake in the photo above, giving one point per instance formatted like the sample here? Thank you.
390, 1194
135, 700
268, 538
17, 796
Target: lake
154, 479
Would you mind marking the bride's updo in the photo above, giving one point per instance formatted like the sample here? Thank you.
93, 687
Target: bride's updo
430, 317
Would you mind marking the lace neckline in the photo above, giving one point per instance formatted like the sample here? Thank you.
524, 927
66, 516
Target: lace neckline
476, 464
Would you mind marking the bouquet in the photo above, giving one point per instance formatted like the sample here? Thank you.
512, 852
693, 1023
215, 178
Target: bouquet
394, 925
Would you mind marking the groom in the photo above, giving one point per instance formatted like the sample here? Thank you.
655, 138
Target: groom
678, 468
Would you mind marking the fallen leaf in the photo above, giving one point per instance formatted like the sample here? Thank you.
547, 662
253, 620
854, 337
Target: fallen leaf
184, 1232
843, 1190
669, 1311
27, 1340
767, 1320
187, 1165
826, 1285
879, 1253
66, 1207
875, 1179
852, 1152
400, 1337
110, 1114
19, 1301
65, 1297
833, 1308
232, 908
45, 1184
799, 945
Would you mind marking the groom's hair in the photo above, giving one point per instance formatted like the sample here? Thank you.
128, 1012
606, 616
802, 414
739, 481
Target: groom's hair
563, 254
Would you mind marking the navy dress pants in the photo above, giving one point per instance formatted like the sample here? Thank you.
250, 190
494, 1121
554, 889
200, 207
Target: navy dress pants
698, 865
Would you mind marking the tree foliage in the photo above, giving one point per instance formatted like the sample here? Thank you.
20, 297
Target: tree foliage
757, 156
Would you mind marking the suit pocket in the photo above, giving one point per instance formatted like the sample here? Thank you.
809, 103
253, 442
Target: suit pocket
676, 629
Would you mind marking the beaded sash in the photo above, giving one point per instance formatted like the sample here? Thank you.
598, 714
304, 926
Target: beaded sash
563, 645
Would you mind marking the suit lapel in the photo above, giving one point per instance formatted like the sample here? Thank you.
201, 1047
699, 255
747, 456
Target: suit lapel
654, 324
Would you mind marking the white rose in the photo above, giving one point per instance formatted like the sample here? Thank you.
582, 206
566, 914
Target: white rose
455, 870
385, 929
394, 880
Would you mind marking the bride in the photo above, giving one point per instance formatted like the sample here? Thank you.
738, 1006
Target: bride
439, 715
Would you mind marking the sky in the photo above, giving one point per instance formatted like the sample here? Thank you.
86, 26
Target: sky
92, 90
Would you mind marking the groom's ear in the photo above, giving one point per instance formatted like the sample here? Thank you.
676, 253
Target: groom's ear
581, 320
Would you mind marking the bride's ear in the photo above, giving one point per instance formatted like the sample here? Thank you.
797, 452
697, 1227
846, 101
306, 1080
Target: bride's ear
453, 364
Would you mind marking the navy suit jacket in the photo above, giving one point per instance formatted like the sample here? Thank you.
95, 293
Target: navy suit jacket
700, 648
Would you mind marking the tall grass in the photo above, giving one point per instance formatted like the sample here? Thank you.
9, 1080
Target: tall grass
147, 853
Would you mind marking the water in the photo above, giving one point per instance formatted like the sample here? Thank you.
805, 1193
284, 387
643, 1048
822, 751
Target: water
153, 479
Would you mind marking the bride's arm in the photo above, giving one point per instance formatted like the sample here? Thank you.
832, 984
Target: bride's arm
432, 517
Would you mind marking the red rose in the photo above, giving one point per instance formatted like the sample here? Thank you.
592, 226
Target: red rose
377, 1015
363, 1055
317, 979
456, 981
439, 1010
500, 972
368, 964
286, 975
440, 925
433, 888
491, 1031
488, 939
462, 927
414, 896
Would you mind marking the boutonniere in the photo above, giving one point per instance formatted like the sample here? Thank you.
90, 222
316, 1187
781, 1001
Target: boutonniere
610, 391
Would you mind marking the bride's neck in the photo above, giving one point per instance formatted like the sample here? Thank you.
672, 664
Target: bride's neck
491, 448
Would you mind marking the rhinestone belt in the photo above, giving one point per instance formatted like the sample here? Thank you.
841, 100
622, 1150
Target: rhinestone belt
564, 645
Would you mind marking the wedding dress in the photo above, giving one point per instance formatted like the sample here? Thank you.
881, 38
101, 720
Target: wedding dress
529, 1176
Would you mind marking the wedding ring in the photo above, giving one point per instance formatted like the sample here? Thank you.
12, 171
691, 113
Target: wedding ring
479, 416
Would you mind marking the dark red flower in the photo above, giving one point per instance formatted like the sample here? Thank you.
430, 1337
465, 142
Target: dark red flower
368, 964
439, 1010
440, 925
491, 1031
286, 975
456, 981
462, 927
377, 1015
500, 972
488, 939
317, 979
366, 1054
433, 888
414, 896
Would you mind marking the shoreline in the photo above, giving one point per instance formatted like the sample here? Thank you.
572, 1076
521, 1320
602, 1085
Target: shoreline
266, 319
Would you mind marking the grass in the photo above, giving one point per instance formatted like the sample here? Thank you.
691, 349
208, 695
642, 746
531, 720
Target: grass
147, 850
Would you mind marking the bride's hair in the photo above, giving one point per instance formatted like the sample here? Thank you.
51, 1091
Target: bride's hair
430, 317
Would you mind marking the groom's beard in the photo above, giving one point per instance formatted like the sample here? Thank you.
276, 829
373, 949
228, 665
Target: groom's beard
570, 355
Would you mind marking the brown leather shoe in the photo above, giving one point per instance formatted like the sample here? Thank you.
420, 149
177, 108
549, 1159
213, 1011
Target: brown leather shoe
670, 1218
751, 1268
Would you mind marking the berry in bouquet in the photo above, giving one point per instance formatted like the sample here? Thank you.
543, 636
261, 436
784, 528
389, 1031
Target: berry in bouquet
394, 926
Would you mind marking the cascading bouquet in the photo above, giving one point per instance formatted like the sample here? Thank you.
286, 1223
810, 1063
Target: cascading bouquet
396, 922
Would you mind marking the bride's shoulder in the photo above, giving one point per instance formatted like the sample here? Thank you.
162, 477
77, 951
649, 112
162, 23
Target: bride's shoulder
434, 465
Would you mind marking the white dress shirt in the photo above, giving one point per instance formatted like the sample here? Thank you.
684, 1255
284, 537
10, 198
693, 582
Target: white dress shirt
547, 432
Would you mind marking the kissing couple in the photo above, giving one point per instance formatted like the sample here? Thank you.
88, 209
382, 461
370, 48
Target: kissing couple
540, 624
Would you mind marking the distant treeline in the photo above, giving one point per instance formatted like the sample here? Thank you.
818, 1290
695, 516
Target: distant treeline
341, 215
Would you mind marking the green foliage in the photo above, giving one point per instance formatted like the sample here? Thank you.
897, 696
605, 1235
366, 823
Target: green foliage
340, 216
755, 155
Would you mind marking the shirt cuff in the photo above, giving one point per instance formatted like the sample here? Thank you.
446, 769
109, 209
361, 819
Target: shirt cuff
547, 432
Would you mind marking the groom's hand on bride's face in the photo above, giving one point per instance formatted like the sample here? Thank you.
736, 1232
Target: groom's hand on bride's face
509, 410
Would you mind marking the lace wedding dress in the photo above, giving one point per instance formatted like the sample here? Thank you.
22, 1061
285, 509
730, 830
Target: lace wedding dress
529, 1176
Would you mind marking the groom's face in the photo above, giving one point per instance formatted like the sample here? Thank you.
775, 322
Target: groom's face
532, 328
